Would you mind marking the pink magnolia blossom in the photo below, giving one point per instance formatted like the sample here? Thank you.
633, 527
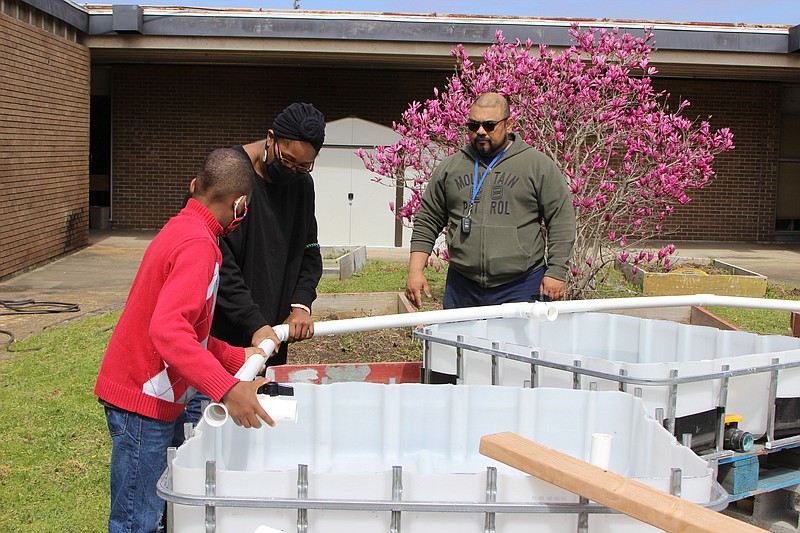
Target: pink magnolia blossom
628, 158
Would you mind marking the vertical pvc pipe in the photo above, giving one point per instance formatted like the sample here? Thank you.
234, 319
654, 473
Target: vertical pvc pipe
600, 455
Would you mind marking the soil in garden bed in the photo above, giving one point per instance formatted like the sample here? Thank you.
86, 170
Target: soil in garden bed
697, 269
385, 345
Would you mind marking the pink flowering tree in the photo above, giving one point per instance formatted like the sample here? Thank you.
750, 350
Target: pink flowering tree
627, 157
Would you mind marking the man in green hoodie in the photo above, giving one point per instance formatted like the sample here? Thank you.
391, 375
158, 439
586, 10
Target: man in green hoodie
492, 196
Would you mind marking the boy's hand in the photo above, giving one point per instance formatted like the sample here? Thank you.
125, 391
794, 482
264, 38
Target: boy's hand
253, 350
243, 406
263, 334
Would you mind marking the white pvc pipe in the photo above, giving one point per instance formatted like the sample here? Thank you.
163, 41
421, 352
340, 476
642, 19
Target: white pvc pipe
600, 454
281, 410
611, 304
533, 310
216, 414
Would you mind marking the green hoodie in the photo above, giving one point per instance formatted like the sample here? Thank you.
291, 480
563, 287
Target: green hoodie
506, 241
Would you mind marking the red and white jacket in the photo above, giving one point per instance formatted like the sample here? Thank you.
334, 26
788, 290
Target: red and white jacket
161, 352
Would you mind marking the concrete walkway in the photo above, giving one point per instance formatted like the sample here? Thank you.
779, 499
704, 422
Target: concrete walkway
98, 277
780, 262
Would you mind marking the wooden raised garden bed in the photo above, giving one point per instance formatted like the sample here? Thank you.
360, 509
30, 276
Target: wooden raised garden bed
698, 276
341, 261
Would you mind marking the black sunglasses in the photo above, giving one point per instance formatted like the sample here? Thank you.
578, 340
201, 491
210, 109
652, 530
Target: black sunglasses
488, 125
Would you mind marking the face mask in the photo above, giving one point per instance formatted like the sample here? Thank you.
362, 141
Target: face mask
279, 173
236, 220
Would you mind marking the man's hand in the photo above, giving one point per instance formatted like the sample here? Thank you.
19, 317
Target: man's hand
301, 325
552, 287
263, 334
417, 283
243, 406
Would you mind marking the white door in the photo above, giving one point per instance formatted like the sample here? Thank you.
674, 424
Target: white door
351, 208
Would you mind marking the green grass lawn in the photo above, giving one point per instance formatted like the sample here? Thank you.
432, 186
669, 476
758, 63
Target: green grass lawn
382, 276
55, 448
765, 322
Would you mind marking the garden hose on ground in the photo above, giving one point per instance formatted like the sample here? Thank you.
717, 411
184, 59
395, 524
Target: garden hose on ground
32, 307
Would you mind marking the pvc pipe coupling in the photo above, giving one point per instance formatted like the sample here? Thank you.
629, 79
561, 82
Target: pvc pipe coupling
539, 311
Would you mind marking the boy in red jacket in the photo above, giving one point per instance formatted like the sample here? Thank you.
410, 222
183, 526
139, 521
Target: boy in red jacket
161, 352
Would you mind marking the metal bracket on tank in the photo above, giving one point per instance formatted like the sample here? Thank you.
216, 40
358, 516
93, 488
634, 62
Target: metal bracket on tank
211, 491
397, 495
302, 494
491, 497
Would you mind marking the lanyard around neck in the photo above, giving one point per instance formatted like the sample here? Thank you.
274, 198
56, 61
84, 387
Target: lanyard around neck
476, 186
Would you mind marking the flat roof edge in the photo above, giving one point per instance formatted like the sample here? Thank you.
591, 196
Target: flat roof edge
63, 10
442, 31
176, 21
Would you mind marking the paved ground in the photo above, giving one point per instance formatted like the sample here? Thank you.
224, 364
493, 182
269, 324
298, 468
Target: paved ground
780, 262
98, 277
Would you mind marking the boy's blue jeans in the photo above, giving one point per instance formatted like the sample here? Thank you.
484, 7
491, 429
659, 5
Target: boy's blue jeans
138, 458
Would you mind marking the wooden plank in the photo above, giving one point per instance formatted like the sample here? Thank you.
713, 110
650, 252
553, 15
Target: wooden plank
703, 317
622, 494
720, 284
681, 314
351, 305
740, 476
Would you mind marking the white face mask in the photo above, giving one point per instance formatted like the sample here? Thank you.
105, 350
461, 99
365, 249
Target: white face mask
236, 219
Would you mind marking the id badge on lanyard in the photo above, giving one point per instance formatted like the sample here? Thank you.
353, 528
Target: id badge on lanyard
466, 221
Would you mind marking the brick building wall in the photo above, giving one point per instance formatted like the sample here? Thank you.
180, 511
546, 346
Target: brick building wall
167, 119
740, 204
44, 134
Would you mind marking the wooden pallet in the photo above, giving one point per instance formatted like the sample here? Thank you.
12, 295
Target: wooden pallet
759, 470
